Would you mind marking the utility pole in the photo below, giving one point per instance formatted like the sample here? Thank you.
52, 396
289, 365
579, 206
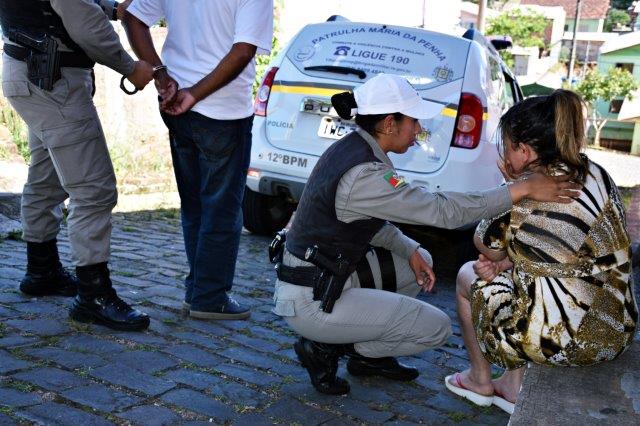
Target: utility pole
586, 59
482, 6
572, 59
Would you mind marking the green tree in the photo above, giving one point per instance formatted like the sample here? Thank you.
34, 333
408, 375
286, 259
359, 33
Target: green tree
615, 17
262, 61
621, 4
597, 87
526, 28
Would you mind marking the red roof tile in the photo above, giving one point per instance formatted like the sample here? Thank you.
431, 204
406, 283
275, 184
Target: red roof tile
589, 9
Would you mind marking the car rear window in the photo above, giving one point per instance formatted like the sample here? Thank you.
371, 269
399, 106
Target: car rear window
427, 59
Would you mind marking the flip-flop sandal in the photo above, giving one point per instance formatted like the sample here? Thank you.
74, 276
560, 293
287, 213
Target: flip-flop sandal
501, 402
460, 390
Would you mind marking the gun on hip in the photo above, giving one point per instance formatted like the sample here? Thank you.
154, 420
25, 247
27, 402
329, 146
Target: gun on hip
333, 274
43, 61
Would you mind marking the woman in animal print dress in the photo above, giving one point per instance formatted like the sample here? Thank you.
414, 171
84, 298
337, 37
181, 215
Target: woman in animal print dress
553, 284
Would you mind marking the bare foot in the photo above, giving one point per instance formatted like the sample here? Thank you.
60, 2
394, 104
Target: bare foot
506, 388
472, 384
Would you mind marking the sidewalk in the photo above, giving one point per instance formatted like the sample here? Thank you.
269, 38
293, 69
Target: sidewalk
182, 371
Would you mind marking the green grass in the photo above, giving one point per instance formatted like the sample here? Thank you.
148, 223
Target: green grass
21, 386
18, 129
457, 416
14, 236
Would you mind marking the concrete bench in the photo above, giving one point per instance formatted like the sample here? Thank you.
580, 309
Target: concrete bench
607, 393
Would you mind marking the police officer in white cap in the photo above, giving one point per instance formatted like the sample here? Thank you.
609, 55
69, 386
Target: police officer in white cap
350, 197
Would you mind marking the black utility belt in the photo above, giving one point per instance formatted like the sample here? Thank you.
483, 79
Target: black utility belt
67, 59
303, 276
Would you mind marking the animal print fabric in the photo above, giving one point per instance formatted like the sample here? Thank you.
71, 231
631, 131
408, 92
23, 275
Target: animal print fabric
568, 300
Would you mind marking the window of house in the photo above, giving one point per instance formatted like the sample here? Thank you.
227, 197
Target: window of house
625, 66
615, 106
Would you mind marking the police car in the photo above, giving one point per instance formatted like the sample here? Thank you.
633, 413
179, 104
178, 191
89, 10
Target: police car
294, 122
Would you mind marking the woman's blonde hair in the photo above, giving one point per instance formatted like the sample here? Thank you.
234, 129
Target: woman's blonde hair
554, 126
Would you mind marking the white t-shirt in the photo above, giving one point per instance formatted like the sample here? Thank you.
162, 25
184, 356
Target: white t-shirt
201, 33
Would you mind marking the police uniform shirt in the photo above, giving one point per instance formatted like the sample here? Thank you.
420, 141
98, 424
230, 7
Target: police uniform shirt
91, 29
375, 190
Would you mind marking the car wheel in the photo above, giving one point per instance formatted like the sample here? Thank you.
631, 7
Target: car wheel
264, 214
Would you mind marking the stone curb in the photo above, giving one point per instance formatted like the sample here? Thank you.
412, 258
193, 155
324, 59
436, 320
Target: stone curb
9, 214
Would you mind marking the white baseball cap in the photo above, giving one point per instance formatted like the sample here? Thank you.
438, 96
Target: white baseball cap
389, 93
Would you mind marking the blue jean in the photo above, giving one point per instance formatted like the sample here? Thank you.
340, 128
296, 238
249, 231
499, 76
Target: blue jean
210, 160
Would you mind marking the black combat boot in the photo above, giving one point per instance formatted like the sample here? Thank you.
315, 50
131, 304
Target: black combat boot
45, 275
321, 362
98, 302
388, 367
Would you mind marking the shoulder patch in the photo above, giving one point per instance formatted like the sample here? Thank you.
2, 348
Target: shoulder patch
394, 180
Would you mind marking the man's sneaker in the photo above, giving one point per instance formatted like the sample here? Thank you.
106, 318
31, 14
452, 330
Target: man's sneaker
229, 310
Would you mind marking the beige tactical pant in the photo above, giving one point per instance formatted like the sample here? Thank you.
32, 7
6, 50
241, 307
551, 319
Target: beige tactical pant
380, 323
69, 158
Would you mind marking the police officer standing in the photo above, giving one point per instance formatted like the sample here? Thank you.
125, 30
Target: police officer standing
50, 48
345, 299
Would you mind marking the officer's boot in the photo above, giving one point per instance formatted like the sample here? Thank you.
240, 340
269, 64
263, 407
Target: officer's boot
98, 302
321, 362
45, 275
389, 367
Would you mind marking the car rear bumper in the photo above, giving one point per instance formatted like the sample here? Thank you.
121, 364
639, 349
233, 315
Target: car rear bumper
276, 184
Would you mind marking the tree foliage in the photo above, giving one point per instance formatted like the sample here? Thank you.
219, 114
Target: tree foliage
526, 27
621, 4
596, 86
615, 17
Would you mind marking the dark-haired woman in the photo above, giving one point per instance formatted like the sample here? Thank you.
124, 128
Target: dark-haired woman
553, 284
348, 200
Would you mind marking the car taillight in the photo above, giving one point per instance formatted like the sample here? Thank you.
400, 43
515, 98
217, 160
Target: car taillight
468, 122
262, 96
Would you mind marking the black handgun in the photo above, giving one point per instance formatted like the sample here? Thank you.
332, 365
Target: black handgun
329, 284
43, 62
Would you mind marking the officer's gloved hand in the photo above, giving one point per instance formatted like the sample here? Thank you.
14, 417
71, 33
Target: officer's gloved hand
141, 75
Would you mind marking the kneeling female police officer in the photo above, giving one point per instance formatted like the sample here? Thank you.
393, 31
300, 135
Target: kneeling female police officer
350, 197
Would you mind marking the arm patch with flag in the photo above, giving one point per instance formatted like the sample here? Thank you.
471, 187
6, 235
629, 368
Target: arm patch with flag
394, 180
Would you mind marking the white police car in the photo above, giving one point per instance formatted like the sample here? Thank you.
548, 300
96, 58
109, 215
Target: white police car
294, 122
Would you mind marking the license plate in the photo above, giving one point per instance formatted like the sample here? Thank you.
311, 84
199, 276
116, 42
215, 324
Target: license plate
334, 128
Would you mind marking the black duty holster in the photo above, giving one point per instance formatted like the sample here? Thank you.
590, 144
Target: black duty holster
42, 58
329, 283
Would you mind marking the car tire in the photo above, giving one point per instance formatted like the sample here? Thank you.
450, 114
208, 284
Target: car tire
264, 214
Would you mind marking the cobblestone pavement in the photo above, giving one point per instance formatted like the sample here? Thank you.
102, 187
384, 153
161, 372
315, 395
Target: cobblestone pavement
183, 371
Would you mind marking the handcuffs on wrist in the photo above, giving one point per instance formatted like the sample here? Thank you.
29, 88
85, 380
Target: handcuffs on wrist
135, 89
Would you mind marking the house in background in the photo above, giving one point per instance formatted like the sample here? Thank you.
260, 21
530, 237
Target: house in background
621, 52
592, 13
590, 35
469, 14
